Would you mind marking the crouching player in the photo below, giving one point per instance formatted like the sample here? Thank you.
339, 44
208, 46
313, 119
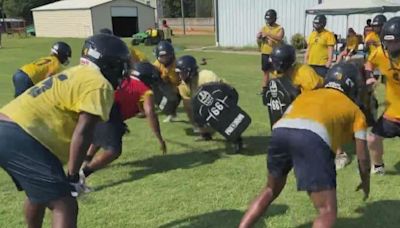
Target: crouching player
306, 138
53, 122
32, 73
215, 105
132, 94
188, 71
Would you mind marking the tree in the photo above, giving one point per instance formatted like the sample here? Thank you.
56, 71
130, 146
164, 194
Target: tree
22, 8
172, 8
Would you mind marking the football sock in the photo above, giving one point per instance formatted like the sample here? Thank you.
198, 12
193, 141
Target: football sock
378, 166
87, 171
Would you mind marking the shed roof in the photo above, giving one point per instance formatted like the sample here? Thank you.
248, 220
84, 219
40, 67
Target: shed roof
75, 5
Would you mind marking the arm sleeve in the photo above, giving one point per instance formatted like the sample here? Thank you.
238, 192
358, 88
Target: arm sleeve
307, 79
184, 91
372, 58
331, 39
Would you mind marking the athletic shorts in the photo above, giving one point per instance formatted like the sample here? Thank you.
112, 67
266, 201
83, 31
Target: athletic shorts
266, 64
33, 168
386, 128
21, 82
108, 135
320, 70
312, 159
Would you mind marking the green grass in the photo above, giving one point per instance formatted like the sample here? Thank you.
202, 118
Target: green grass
198, 184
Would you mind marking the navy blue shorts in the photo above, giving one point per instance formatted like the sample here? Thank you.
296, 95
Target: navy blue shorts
320, 70
311, 157
386, 128
266, 64
33, 168
21, 82
108, 135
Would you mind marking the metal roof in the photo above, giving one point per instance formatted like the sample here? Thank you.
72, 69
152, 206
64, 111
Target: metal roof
75, 5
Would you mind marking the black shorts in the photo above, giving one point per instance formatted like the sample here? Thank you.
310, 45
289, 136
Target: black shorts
21, 82
311, 157
266, 64
320, 70
108, 135
386, 128
33, 168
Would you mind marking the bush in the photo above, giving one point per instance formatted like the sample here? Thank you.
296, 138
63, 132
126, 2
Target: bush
298, 41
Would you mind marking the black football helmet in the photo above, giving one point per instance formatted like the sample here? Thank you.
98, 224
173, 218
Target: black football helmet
146, 73
283, 57
346, 78
379, 20
106, 31
270, 16
165, 53
319, 22
110, 54
390, 37
62, 51
186, 67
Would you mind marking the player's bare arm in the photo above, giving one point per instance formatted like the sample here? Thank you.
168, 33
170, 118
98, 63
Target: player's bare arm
330, 56
81, 139
364, 165
152, 117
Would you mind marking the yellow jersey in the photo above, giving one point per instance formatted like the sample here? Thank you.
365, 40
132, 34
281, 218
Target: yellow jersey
268, 44
49, 110
380, 59
137, 55
305, 78
318, 43
205, 76
372, 36
167, 32
42, 68
168, 74
328, 113
352, 42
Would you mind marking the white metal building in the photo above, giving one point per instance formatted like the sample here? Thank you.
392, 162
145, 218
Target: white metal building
83, 18
238, 21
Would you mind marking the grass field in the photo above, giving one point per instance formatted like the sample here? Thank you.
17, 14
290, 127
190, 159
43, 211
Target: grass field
198, 184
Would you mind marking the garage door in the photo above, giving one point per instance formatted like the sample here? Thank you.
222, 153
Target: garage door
124, 21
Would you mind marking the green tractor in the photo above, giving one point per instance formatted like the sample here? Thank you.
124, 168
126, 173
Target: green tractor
149, 37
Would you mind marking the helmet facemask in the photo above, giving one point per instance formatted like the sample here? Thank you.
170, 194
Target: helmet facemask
270, 20
166, 59
392, 45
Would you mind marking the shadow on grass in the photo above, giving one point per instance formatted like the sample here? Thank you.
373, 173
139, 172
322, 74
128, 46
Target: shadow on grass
396, 170
383, 213
220, 219
256, 145
165, 163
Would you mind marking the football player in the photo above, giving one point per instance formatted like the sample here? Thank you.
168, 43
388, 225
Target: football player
269, 37
292, 78
166, 63
324, 127
133, 93
188, 71
319, 51
372, 40
57, 129
351, 45
32, 73
387, 60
